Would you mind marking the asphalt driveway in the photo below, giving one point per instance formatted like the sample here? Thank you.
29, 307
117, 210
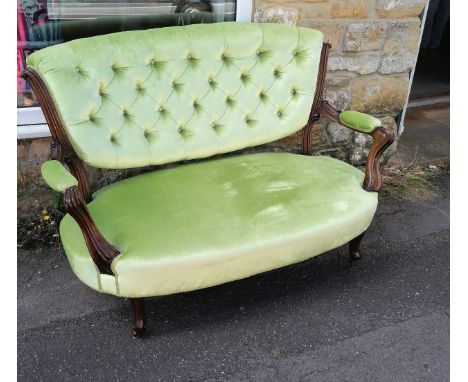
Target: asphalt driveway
384, 318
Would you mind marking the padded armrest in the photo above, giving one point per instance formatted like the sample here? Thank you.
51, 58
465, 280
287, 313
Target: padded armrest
61, 180
57, 176
382, 138
361, 122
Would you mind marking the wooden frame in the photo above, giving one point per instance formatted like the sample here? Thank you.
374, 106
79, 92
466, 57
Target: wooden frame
382, 138
76, 197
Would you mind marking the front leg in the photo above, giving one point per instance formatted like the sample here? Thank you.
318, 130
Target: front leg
355, 247
139, 325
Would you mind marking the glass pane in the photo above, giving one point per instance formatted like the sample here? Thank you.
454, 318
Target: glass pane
43, 23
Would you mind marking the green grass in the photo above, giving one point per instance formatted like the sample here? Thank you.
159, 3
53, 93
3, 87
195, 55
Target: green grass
414, 185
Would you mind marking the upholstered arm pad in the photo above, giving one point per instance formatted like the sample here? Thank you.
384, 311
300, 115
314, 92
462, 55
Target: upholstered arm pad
60, 179
361, 122
57, 176
382, 138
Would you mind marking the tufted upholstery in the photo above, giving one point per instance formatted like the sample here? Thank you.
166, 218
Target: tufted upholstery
149, 97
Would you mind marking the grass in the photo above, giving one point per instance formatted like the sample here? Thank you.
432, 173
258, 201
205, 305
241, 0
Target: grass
415, 184
39, 228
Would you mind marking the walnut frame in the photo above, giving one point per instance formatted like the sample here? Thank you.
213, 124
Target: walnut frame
76, 198
382, 138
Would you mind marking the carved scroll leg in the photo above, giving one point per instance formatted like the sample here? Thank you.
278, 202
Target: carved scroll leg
355, 247
139, 325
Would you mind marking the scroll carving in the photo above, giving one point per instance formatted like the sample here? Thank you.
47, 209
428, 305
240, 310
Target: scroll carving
102, 252
317, 104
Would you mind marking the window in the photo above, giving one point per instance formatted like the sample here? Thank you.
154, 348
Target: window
42, 23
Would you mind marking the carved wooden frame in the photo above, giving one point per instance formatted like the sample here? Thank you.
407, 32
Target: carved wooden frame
75, 198
382, 138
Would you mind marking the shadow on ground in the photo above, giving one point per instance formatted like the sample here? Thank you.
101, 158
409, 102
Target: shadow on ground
383, 318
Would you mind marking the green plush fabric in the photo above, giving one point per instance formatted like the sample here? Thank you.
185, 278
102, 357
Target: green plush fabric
155, 96
57, 176
208, 223
361, 122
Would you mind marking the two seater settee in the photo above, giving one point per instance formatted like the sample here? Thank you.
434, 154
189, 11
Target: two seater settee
151, 97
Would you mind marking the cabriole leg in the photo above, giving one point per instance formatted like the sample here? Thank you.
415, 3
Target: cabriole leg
355, 247
139, 325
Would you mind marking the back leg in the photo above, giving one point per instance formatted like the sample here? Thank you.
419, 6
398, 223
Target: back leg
355, 247
139, 325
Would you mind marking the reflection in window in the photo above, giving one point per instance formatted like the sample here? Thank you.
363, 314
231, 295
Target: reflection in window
43, 23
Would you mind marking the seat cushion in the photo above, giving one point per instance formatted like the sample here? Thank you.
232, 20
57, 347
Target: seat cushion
208, 223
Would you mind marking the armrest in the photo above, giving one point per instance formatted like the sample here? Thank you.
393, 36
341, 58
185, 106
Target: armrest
360, 122
57, 176
369, 125
60, 179
101, 251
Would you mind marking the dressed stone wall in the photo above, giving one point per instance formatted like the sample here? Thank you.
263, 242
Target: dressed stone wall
374, 47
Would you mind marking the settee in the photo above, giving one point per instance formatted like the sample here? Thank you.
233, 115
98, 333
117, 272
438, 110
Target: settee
141, 98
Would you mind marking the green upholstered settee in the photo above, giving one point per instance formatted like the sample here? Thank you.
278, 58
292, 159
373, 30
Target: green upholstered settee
150, 97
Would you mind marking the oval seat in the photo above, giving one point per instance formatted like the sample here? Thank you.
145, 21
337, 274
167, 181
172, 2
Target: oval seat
207, 223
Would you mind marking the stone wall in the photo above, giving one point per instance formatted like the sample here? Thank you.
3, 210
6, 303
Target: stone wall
375, 43
374, 48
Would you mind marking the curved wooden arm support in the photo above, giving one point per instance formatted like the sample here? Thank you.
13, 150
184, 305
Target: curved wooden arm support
382, 139
102, 252
331, 113
78, 171
75, 198
373, 178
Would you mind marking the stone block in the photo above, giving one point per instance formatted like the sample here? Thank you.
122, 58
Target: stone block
281, 15
396, 9
363, 37
362, 140
39, 150
379, 94
351, 9
332, 30
319, 138
338, 98
362, 64
401, 47
338, 133
358, 156
312, 10
338, 79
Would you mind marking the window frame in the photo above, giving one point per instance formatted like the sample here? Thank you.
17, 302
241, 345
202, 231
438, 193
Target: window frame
30, 121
